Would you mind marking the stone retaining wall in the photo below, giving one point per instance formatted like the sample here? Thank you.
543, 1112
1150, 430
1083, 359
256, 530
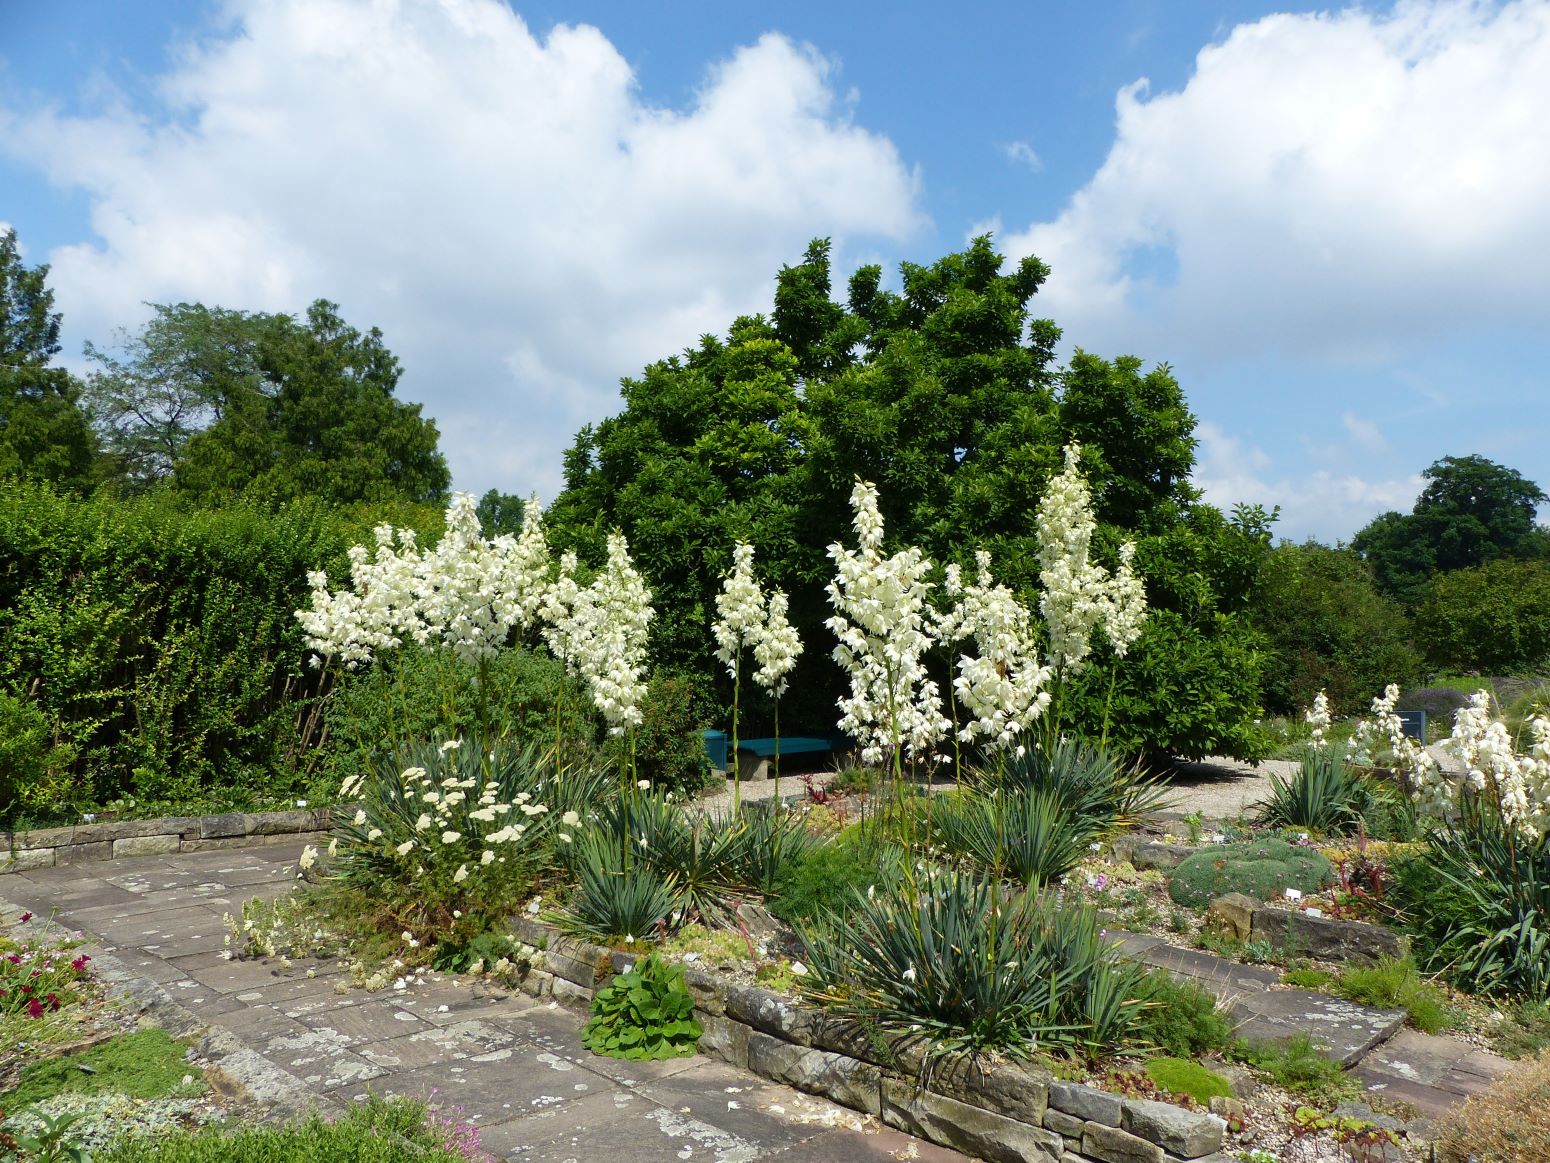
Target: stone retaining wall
1005, 1112
45, 847
1246, 919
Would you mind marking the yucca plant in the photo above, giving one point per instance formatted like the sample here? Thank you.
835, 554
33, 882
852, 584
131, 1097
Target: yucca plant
1326, 795
1031, 836
613, 903
1478, 899
1090, 780
971, 967
768, 842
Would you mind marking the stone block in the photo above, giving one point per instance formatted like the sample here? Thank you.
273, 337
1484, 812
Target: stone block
1232, 914
279, 823
1344, 1029
1160, 855
901, 1054
1005, 1088
1087, 1103
569, 993
1063, 1124
45, 838
145, 845
1187, 1134
1326, 938
725, 1039
577, 962
82, 853
222, 826
708, 990
833, 1076
967, 1128
772, 1014
532, 932
24, 859
1112, 1145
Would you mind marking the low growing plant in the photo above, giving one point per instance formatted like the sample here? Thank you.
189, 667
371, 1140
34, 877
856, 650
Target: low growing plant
1179, 1017
39, 978
1298, 1065
1182, 1076
1395, 983
1507, 1123
1261, 869
644, 1014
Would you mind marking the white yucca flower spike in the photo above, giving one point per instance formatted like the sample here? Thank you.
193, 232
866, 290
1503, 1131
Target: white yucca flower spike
1003, 686
882, 621
1080, 595
1318, 719
740, 606
778, 647
600, 632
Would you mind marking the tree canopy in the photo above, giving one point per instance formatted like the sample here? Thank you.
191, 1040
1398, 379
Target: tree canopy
219, 403
1472, 511
44, 434
946, 395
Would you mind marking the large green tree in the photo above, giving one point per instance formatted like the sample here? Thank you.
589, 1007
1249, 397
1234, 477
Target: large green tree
222, 403
1472, 511
946, 394
44, 434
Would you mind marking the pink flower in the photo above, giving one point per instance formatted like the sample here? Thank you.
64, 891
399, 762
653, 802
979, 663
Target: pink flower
26, 917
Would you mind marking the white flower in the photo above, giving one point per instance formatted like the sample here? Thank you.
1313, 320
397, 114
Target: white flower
1079, 594
360, 817
486, 856
309, 857
461, 874
570, 819
451, 745
908, 974
777, 648
374, 834
643, 784
740, 605
1317, 717
881, 621
403, 849
451, 837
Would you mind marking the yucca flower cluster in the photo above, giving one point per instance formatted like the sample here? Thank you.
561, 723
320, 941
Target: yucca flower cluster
600, 632
1318, 720
1003, 686
1381, 742
750, 620
468, 593
884, 625
1079, 594
1490, 765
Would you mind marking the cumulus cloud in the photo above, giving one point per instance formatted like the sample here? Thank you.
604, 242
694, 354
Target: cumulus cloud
523, 226
1324, 504
1335, 186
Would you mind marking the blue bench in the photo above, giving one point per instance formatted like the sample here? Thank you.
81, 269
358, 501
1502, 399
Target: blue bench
718, 744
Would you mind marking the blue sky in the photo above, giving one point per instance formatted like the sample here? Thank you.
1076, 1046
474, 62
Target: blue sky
1331, 223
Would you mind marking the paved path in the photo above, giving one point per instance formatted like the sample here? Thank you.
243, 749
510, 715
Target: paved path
1430, 1072
514, 1064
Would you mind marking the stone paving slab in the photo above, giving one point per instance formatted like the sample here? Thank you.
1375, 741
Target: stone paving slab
515, 1065
1344, 1030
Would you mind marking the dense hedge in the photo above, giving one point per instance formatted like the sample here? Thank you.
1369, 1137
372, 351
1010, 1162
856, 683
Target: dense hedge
158, 645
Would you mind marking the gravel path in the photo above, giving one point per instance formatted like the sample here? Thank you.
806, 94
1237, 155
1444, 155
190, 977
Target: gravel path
1223, 789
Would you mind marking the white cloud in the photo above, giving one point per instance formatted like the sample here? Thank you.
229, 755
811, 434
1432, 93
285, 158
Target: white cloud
1366, 433
1023, 153
521, 224
1330, 185
1322, 504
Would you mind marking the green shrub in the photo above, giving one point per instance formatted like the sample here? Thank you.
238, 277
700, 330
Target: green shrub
1181, 1076
1493, 619
1260, 869
644, 1014
1030, 835
376, 1131
957, 961
1477, 898
1180, 1017
1326, 795
616, 898
827, 877
36, 770
1395, 983
670, 741
428, 815
163, 643
413, 694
